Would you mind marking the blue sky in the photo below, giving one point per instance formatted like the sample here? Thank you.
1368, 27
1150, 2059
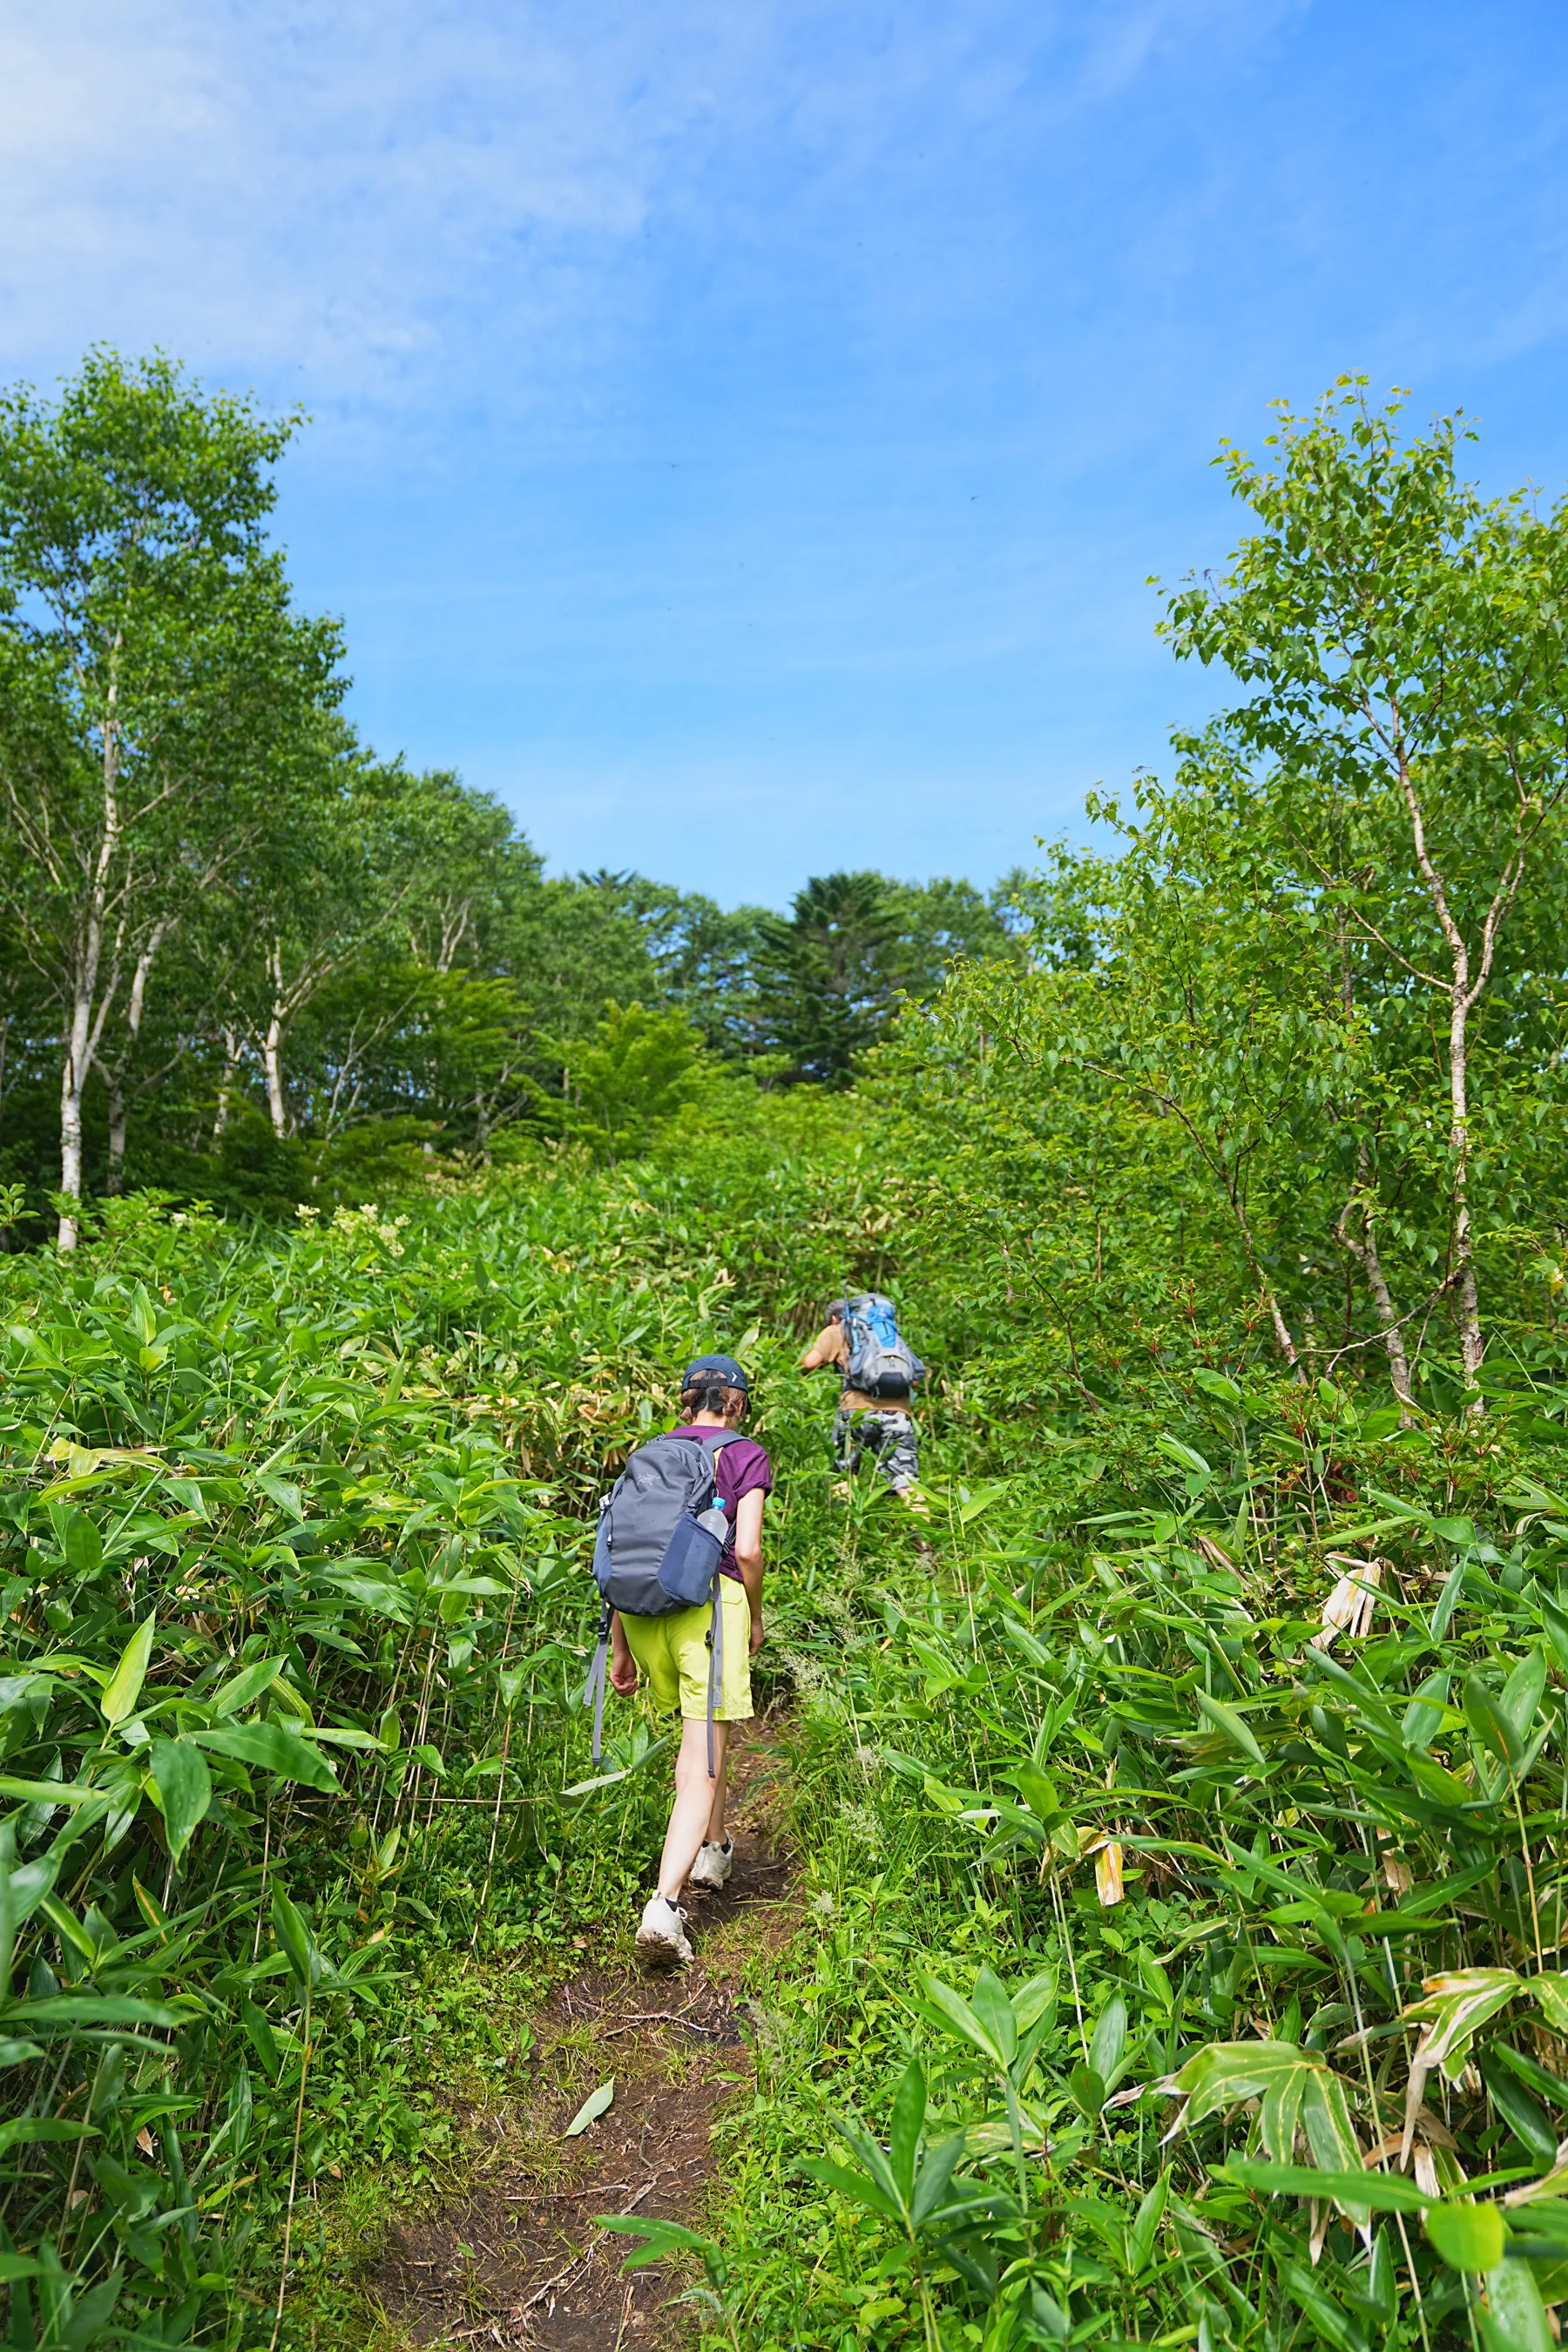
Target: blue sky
743, 431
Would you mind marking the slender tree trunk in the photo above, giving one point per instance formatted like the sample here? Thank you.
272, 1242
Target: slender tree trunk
1467, 1296
115, 1076
1462, 996
272, 1045
80, 1038
72, 1075
272, 1071
1362, 1247
80, 1035
226, 1084
1364, 1250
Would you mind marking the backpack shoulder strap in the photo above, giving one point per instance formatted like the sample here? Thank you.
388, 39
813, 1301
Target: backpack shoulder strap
713, 1440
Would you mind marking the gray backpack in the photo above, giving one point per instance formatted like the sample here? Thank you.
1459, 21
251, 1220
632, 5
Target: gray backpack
881, 1363
662, 1529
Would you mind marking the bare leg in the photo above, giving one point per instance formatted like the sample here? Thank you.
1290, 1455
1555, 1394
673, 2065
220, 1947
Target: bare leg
695, 1796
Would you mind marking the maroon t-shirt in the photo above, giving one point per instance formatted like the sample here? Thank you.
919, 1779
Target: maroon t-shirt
741, 1467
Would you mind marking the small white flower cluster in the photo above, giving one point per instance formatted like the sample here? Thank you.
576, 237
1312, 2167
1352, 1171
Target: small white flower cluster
367, 1221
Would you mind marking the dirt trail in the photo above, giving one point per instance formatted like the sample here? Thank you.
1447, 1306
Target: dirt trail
518, 2261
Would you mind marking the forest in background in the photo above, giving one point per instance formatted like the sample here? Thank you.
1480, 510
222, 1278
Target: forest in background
1181, 1809
242, 957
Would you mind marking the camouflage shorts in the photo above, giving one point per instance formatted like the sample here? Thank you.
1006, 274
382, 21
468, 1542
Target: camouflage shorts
888, 1437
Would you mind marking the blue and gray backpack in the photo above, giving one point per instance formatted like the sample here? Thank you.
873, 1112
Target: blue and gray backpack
662, 1528
880, 1363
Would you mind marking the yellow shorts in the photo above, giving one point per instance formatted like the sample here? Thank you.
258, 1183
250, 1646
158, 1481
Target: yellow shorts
672, 1657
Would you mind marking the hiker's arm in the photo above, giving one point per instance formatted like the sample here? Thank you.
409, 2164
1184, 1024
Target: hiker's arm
749, 1557
828, 1348
623, 1665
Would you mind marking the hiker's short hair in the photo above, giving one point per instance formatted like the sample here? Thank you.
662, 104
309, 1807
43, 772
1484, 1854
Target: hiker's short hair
710, 1393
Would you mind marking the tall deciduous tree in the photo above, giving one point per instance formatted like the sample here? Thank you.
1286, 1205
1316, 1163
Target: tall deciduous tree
153, 670
1406, 645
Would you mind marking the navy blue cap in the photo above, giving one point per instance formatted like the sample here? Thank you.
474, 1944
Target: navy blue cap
723, 1367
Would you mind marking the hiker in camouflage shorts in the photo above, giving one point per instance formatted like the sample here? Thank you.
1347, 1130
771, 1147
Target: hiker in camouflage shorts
868, 1424
889, 1436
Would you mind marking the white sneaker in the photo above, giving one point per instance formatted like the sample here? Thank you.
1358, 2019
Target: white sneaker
713, 1865
662, 1936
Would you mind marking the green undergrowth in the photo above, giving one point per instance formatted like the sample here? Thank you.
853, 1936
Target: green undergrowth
291, 1571
1181, 1805
1142, 1901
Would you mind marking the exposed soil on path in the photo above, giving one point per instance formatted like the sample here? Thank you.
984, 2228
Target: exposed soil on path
518, 2259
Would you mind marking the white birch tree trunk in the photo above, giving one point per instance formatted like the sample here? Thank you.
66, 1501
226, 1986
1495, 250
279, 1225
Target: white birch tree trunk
86, 1012
226, 1084
115, 1074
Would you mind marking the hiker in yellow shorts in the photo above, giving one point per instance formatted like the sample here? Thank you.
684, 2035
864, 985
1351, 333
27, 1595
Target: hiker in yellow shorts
672, 1654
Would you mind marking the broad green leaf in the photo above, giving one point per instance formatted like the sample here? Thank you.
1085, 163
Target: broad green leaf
664, 2239
27, 1887
1031, 2000
295, 1940
1386, 2192
1448, 1600
1424, 1716
283, 1492
607, 1779
33, 2129
180, 1776
1145, 2225
1325, 2118
960, 2015
935, 2177
1037, 1789
1523, 2113
1521, 1693
1087, 2091
1226, 1719
1469, 2237
245, 1688
50, 1792
1177, 1451
275, 1749
1109, 2038
854, 2185
592, 2108
1513, 2316
262, 2039
909, 2117
1491, 1725
1557, 1631
873, 2159
69, 2011
124, 1685
991, 2006
81, 1543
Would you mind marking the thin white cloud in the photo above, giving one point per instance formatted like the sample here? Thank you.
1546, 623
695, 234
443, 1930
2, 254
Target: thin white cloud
326, 189
368, 196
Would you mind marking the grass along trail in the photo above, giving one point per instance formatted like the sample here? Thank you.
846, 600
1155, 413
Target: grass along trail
514, 2254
